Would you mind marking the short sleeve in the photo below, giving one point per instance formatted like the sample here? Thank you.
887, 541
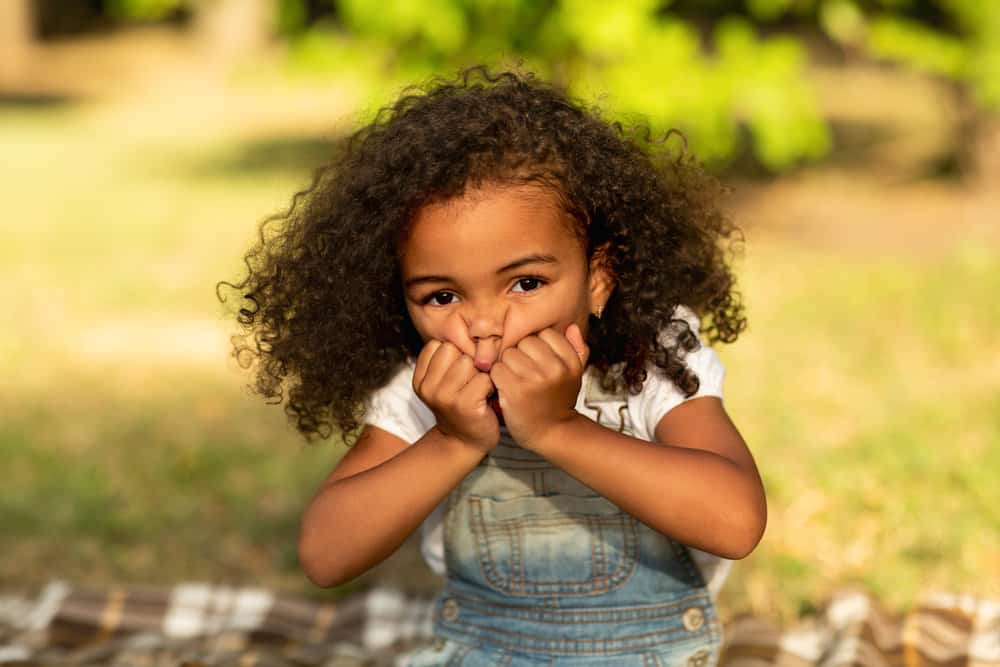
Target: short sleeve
396, 408
659, 395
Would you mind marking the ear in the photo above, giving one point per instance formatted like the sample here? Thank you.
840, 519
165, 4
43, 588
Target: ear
602, 279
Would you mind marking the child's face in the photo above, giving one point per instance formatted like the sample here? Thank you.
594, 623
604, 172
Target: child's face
458, 289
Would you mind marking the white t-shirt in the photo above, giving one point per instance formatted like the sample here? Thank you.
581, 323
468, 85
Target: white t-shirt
397, 409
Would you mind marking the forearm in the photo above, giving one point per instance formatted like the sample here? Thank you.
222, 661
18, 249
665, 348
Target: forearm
356, 522
696, 497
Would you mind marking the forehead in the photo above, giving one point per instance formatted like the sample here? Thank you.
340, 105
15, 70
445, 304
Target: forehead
488, 226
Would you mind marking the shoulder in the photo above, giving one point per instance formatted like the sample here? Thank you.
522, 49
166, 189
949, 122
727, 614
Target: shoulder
659, 395
668, 334
399, 387
703, 361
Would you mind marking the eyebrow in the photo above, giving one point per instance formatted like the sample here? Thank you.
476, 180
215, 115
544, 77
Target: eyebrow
528, 259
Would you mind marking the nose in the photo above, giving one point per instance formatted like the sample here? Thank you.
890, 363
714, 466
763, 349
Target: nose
485, 326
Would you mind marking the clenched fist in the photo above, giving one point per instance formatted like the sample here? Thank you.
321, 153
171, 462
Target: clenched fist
448, 382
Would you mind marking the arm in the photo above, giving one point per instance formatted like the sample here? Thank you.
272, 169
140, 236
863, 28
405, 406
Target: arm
697, 484
377, 495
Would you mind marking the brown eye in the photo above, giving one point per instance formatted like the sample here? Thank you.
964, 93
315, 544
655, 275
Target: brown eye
531, 280
431, 297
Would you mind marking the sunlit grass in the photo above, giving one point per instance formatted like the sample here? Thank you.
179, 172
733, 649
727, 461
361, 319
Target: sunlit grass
868, 392
866, 387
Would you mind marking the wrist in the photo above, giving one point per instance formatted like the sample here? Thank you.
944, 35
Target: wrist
457, 447
557, 432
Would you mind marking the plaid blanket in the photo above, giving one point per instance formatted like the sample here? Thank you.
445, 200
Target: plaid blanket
195, 624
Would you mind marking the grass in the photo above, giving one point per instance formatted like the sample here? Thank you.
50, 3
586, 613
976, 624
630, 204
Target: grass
867, 390
866, 386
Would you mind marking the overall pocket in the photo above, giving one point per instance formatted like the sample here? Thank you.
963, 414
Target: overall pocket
552, 545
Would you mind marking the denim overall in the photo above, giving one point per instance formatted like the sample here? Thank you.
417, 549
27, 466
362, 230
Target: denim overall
542, 570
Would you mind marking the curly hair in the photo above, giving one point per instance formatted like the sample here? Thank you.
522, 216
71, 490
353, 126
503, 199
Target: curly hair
324, 309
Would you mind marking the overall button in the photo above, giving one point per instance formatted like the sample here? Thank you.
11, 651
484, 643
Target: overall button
450, 610
694, 618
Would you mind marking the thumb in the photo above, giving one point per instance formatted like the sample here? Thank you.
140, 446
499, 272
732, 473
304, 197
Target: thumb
575, 339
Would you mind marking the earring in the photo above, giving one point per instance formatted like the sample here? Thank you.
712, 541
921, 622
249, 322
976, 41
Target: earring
600, 309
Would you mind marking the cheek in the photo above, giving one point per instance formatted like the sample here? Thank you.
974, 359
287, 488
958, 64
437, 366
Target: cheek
521, 323
442, 327
420, 323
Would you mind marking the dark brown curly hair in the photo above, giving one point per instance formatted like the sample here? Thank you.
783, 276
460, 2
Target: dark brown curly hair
324, 314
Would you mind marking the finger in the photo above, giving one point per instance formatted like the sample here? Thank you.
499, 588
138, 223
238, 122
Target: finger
423, 361
575, 338
476, 391
504, 380
458, 375
456, 331
564, 348
443, 358
537, 350
520, 364
547, 362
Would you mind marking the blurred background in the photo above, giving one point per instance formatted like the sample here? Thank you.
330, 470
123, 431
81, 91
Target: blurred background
142, 142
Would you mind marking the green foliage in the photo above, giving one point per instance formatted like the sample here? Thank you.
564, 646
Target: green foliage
642, 62
908, 41
960, 41
981, 21
290, 17
433, 26
698, 66
141, 10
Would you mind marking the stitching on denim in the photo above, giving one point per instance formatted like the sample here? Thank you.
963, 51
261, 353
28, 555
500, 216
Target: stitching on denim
487, 568
448, 527
595, 585
715, 625
708, 604
599, 560
684, 556
516, 538
499, 637
513, 463
578, 616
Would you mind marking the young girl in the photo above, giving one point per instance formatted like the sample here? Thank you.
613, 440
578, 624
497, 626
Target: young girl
504, 290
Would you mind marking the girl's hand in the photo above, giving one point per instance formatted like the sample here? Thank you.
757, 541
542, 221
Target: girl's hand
455, 391
539, 380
